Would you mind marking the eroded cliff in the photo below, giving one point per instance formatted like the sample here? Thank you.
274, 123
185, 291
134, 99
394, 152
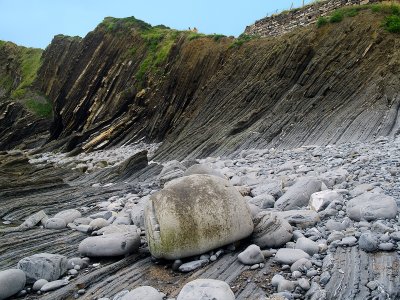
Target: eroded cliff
25, 114
209, 95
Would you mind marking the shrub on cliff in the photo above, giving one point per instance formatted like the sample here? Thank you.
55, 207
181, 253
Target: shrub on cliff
392, 23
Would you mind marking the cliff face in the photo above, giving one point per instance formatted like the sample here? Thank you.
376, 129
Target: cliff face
127, 81
24, 112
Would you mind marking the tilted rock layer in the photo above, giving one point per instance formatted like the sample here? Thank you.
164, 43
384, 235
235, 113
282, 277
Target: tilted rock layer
209, 95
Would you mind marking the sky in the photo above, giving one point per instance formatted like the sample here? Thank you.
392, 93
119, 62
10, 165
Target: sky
33, 23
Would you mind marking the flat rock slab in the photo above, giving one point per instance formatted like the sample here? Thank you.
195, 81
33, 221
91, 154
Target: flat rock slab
353, 269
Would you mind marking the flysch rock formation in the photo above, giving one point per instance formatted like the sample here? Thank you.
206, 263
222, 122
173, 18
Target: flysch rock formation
296, 135
215, 97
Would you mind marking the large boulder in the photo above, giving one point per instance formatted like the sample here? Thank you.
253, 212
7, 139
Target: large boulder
68, 215
206, 289
11, 282
271, 230
298, 195
195, 214
43, 266
113, 244
144, 293
371, 206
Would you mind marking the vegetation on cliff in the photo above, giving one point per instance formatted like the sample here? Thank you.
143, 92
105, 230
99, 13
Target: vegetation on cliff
390, 11
18, 73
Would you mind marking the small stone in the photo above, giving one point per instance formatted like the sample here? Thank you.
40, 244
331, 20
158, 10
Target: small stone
348, 241
373, 285
289, 256
307, 246
72, 272
302, 264
193, 265
98, 223
254, 267
325, 277
54, 285
296, 274
386, 246
368, 242
286, 285
312, 273
252, 255
81, 292
55, 223
304, 284
39, 284
103, 214
276, 279
177, 263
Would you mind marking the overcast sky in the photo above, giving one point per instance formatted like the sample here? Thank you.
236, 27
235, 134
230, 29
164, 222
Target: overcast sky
33, 23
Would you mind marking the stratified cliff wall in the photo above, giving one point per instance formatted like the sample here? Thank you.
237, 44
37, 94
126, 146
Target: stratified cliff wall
211, 95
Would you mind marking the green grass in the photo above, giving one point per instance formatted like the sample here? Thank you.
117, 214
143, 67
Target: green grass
392, 23
115, 24
194, 36
30, 64
41, 109
391, 11
242, 39
322, 21
159, 41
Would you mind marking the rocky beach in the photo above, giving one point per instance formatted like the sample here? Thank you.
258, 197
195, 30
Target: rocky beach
142, 162
325, 222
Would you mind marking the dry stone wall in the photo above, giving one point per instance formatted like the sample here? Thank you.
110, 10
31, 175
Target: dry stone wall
285, 22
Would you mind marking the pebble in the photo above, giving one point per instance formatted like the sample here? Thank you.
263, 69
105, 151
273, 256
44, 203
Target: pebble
193, 265
53, 285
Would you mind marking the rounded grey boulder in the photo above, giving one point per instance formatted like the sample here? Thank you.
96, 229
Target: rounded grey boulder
11, 282
144, 292
271, 230
195, 214
43, 266
298, 195
55, 223
68, 215
252, 255
114, 244
39, 284
372, 206
206, 289
307, 246
288, 256
98, 223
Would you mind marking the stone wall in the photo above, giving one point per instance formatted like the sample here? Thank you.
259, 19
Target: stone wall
286, 21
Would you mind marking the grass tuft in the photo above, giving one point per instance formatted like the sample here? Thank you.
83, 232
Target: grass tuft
41, 109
